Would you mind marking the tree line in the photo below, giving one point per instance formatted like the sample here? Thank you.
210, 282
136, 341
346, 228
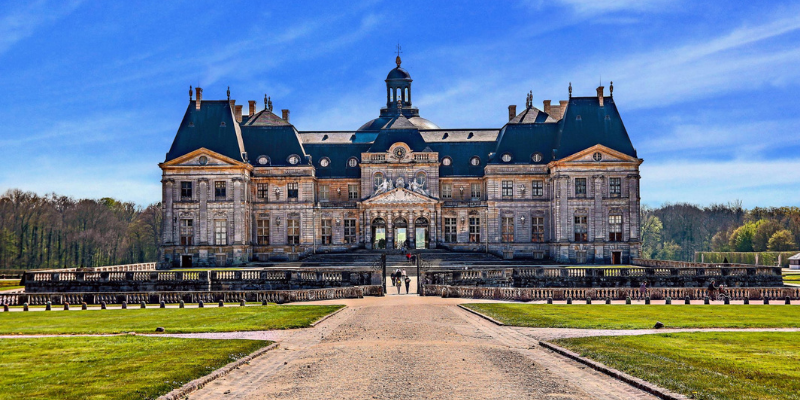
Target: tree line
677, 231
55, 231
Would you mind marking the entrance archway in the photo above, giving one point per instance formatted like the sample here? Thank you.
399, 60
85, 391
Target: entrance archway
421, 233
400, 232
378, 232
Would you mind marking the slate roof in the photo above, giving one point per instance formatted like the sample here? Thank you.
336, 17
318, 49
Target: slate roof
212, 127
585, 124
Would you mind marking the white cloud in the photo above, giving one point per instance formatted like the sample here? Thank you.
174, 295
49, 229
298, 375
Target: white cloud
594, 7
24, 18
756, 182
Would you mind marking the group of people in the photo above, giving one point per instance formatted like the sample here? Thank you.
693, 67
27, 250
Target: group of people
399, 277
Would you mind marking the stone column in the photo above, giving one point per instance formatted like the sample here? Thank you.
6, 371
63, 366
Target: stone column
169, 224
633, 206
238, 212
599, 221
202, 220
563, 219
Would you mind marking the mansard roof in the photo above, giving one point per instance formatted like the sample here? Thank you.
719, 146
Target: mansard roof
213, 127
586, 124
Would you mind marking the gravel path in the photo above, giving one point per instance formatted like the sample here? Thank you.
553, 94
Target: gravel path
412, 347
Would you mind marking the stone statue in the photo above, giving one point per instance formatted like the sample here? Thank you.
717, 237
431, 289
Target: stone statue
417, 188
401, 183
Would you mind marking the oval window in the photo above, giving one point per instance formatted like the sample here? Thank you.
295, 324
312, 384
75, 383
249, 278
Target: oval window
352, 163
536, 157
203, 160
324, 162
294, 159
506, 157
263, 160
475, 161
447, 161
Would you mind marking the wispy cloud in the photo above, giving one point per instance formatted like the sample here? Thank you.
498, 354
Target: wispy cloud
22, 19
755, 182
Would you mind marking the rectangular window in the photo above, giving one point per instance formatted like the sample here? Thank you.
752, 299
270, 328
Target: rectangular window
293, 231
475, 191
220, 232
615, 187
450, 232
262, 191
537, 229
537, 188
350, 231
580, 187
615, 228
187, 232
291, 190
262, 232
507, 230
324, 192
447, 191
508, 189
474, 230
352, 192
580, 227
186, 190
327, 231
220, 190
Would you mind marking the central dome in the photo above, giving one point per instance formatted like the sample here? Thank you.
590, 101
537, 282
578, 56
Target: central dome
398, 73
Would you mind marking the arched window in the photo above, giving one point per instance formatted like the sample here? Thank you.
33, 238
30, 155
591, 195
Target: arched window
420, 178
377, 179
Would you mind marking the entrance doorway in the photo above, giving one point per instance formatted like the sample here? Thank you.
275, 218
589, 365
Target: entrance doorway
400, 232
616, 257
186, 261
421, 233
378, 233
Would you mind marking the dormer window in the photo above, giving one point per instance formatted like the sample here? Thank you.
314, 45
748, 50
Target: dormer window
352, 162
475, 161
324, 162
447, 161
506, 157
293, 159
536, 157
262, 160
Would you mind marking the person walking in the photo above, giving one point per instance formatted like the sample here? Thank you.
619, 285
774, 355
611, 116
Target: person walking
643, 290
408, 283
399, 285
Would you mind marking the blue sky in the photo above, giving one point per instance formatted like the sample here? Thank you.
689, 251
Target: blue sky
93, 92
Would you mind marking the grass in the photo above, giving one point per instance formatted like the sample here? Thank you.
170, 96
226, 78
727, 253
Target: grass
174, 320
601, 316
715, 365
791, 278
8, 284
121, 367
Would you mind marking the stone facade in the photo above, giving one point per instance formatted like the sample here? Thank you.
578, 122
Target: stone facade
563, 186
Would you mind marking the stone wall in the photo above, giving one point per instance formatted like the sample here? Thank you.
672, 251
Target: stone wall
199, 281
561, 277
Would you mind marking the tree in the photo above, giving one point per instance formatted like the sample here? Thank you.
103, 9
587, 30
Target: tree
742, 237
764, 231
670, 251
782, 240
719, 242
651, 236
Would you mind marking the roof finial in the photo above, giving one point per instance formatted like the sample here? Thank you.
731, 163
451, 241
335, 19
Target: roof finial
570, 90
269, 103
529, 100
611, 88
190, 92
397, 60
265, 101
229, 93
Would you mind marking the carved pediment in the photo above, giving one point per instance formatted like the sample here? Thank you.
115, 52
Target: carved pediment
400, 195
598, 154
203, 157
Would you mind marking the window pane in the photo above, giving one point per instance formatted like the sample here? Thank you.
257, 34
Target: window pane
262, 232
450, 232
475, 188
474, 230
537, 229
262, 191
507, 230
220, 192
580, 187
537, 188
447, 191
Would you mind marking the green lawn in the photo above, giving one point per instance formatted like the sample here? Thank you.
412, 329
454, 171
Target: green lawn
791, 278
175, 320
8, 284
716, 365
640, 316
121, 367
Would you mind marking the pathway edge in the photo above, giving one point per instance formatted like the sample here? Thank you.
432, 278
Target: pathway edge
484, 316
198, 383
641, 384
315, 323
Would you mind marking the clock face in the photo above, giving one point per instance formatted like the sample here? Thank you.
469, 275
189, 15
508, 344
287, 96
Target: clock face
399, 152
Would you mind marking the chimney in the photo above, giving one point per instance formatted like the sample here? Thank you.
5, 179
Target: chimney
238, 113
600, 95
199, 97
512, 112
232, 103
252, 107
285, 114
546, 107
